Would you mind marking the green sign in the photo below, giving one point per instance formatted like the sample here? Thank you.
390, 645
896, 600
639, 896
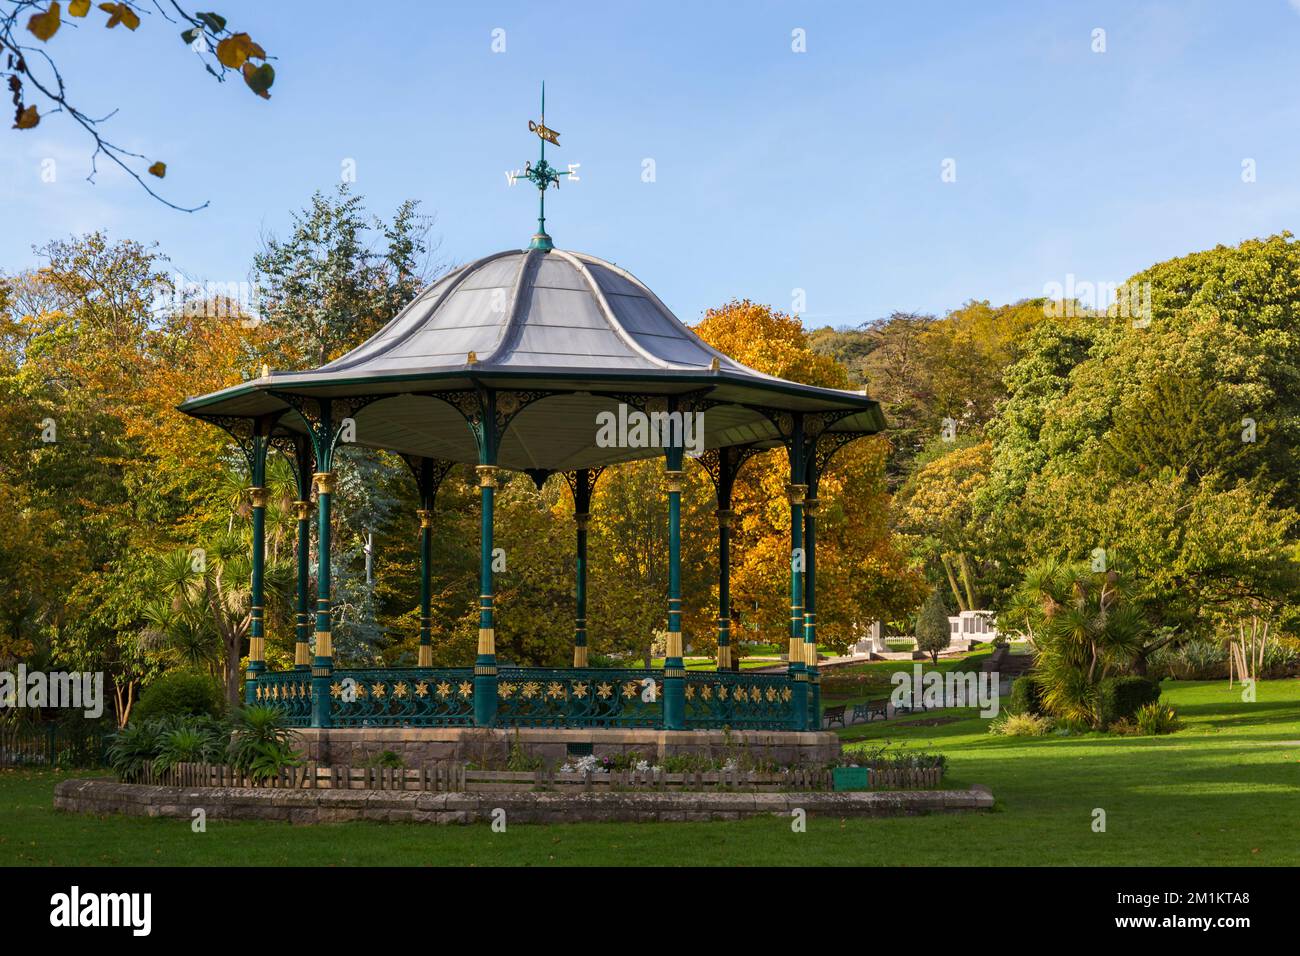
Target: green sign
851, 778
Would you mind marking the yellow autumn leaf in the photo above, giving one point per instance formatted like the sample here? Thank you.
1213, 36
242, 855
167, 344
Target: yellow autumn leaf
46, 24
27, 118
120, 13
78, 8
158, 169
233, 51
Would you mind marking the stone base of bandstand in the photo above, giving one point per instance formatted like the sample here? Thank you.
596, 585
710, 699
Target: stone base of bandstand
101, 797
488, 747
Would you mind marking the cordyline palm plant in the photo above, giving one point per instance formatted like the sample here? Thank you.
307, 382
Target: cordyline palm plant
201, 608
1084, 626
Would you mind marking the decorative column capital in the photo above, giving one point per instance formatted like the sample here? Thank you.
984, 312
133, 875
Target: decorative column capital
810, 506
582, 519
796, 493
673, 480
487, 475
259, 496
426, 517
324, 482
724, 516
304, 510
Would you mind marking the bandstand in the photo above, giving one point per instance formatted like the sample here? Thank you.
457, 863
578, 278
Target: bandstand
513, 362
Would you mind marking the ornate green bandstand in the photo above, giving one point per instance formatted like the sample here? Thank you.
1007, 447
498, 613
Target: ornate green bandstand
513, 362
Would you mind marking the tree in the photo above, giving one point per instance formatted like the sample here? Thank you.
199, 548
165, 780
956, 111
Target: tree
863, 574
202, 609
31, 71
932, 631
328, 287
1084, 626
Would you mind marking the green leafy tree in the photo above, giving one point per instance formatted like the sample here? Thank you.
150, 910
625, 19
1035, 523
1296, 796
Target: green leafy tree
933, 633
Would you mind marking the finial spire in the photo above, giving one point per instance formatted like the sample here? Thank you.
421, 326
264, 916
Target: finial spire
543, 175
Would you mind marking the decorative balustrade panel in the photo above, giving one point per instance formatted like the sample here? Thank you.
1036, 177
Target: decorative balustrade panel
753, 702
532, 697
288, 690
418, 696
579, 697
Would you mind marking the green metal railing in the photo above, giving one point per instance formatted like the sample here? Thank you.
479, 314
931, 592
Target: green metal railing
534, 697
579, 697
739, 701
52, 745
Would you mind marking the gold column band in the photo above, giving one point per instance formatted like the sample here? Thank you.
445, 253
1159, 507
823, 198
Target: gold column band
426, 517
256, 648
259, 497
724, 516
304, 510
582, 519
796, 650
426, 656
673, 480
302, 653
324, 483
580, 655
487, 475
324, 644
674, 644
796, 493
810, 506
724, 656
487, 641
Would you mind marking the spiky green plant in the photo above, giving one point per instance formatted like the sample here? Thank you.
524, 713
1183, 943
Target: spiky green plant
1084, 627
261, 744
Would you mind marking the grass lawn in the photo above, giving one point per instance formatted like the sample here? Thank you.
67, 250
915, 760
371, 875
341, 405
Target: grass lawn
1223, 791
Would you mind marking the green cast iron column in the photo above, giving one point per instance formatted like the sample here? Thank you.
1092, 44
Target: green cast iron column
797, 668
810, 614
725, 515
256, 610
302, 646
796, 490
322, 667
580, 620
485, 665
674, 668
425, 658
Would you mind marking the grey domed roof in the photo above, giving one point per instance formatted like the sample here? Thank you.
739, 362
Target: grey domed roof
582, 331
536, 309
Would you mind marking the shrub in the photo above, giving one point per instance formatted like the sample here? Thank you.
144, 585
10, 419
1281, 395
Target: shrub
1120, 698
883, 758
1021, 725
1025, 697
262, 744
180, 694
191, 740
386, 760
133, 747
1156, 719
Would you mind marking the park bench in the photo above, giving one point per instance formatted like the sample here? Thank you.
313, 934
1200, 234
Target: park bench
872, 708
832, 714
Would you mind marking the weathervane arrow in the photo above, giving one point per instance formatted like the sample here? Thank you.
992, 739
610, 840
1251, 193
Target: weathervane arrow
545, 132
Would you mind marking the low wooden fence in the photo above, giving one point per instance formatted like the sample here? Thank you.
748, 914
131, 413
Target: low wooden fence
455, 777
902, 777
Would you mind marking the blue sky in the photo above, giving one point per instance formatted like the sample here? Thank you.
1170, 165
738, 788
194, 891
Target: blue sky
774, 170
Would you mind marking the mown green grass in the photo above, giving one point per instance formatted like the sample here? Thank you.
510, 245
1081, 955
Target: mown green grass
1222, 791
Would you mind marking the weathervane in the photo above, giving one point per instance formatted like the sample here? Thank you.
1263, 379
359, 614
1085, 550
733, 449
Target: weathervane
543, 175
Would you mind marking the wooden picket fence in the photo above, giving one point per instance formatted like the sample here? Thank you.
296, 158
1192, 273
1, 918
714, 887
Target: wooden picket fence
457, 777
907, 777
